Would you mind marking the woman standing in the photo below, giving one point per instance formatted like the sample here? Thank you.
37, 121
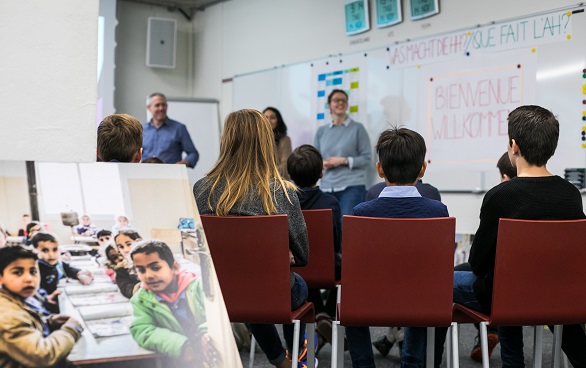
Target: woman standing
282, 140
345, 146
245, 182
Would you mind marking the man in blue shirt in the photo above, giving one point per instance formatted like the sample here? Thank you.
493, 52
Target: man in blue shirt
165, 138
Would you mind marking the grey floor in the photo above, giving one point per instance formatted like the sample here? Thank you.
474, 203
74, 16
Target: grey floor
467, 334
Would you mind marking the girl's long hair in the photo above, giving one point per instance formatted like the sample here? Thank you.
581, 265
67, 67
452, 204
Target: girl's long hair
247, 160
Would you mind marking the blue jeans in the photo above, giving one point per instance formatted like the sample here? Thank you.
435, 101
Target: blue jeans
360, 347
350, 197
511, 338
415, 342
267, 336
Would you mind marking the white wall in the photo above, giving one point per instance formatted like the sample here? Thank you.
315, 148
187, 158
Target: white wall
244, 36
48, 79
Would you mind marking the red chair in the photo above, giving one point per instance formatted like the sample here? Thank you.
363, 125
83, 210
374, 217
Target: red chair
319, 272
251, 259
539, 279
396, 272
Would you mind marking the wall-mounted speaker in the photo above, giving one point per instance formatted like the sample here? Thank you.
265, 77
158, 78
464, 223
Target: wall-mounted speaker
161, 42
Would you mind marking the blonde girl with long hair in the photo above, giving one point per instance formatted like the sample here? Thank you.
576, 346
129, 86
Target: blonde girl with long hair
245, 181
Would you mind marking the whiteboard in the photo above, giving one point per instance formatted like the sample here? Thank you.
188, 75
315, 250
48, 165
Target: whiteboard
548, 47
202, 119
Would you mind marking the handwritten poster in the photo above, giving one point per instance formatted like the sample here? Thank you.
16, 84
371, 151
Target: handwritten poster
547, 28
347, 73
467, 104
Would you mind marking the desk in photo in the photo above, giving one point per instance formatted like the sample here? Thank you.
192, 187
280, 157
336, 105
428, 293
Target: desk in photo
90, 350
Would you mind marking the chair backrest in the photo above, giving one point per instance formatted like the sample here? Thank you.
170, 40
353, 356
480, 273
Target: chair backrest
251, 259
397, 272
319, 272
540, 273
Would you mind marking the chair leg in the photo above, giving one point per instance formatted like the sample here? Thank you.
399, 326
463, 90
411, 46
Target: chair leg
484, 343
537, 346
449, 343
337, 345
557, 345
310, 328
296, 330
455, 351
252, 351
430, 353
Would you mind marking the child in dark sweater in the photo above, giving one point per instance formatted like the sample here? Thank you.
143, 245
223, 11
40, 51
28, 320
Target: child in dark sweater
305, 167
401, 163
52, 269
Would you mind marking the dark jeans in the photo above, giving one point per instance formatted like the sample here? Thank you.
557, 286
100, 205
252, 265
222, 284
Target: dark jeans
350, 197
510, 337
360, 347
267, 336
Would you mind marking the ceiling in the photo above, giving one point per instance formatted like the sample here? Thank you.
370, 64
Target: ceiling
186, 7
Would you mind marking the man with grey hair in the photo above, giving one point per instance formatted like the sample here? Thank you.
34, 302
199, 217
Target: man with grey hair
164, 138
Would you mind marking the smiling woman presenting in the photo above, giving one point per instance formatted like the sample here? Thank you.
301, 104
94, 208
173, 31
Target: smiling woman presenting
345, 146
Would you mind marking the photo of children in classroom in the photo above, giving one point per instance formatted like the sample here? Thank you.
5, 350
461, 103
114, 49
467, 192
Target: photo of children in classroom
108, 256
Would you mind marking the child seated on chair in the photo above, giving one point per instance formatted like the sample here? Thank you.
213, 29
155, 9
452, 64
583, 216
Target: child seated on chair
29, 339
169, 313
245, 181
53, 269
305, 167
401, 154
535, 194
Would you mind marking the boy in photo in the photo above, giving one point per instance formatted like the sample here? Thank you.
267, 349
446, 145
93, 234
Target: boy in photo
52, 268
169, 307
28, 339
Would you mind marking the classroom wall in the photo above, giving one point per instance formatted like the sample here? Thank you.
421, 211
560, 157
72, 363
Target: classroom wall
245, 36
197, 48
48, 77
14, 199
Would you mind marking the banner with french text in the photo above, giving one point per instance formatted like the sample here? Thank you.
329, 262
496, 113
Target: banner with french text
527, 32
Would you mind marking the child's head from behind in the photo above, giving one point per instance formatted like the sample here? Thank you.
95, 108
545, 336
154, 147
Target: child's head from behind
19, 273
401, 156
120, 139
305, 166
248, 138
535, 132
507, 170
124, 241
47, 247
155, 265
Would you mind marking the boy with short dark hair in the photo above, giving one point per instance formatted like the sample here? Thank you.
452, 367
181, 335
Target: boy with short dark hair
507, 170
169, 307
103, 237
52, 269
401, 163
119, 139
535, 194
28, 339
305, 167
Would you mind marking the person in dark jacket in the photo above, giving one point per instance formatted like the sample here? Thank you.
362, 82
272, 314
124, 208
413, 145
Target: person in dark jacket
305, 167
